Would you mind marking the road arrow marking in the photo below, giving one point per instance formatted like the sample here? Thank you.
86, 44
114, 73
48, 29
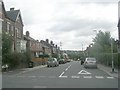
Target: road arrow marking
84, 72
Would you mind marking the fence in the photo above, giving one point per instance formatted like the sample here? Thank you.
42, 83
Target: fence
106, 59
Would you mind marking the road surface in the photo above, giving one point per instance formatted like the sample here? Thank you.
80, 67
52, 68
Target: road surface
69, 75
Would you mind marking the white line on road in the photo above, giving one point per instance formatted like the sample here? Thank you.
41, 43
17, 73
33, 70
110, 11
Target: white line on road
99, 77
87, 76
75, 76
21, 76
110, 77
32, 76
10, 71
67, 68
52, 77
40, 87
61, 75
41, 76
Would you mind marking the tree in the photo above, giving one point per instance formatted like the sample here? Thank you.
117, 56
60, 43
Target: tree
6, 47
101, 49
102, 42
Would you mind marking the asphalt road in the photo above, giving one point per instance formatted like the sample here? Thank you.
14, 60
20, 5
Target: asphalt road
69, 75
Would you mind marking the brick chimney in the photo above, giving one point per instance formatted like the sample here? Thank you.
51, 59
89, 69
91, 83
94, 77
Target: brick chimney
47, 40
12, 9
27, 33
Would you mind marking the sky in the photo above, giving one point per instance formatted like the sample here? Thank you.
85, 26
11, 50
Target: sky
74, 23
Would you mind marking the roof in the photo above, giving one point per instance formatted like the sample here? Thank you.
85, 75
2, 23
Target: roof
29, 38
13, 14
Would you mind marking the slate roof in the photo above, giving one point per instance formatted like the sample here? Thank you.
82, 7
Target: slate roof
12, 14
29, 38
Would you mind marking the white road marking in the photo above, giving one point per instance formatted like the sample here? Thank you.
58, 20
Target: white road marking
75, 76
83, 72
67, 67
52, 77
11, 76
61, 74
110, 77
40, 87
10, 71
99, 77
41, 76
32, 76
63, 77
87, 76
21, 76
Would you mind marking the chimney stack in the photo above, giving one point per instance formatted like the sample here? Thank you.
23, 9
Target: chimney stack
47, 40
11, 9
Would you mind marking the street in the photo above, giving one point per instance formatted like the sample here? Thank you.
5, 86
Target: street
69, 75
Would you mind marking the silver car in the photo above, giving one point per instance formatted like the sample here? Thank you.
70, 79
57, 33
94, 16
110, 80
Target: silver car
52, 62
90, 63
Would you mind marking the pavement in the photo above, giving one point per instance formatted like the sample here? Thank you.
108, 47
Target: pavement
108, 70
23, 70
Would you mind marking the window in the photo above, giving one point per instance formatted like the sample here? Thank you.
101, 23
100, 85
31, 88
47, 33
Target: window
8, 27
17, 34
12, 30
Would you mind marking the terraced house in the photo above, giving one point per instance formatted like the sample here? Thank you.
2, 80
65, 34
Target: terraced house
0, 15
13, 25
0, 33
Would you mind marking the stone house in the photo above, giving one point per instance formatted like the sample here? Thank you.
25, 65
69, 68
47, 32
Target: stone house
32, 45
12, 24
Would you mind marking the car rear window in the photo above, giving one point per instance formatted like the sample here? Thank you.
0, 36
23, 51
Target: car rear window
91, 59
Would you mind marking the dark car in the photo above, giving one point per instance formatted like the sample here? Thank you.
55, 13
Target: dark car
61, 61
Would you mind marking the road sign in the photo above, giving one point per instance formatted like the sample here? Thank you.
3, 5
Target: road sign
84, 72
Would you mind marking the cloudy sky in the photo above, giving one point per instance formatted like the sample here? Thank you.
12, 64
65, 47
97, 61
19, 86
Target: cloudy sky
72, 22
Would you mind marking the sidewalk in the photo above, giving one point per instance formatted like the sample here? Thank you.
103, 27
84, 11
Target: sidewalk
24, 70
108, 70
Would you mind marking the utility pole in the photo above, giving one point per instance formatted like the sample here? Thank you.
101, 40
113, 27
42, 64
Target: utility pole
61, 45
61, 49
112, 56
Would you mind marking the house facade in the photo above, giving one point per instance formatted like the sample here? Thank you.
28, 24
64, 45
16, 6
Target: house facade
119, 20
0, 33
0, 16
32, 45
12, 25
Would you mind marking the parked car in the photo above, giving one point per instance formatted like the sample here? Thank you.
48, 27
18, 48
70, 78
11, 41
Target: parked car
68, 60
52, 62
61, 61
90, 63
